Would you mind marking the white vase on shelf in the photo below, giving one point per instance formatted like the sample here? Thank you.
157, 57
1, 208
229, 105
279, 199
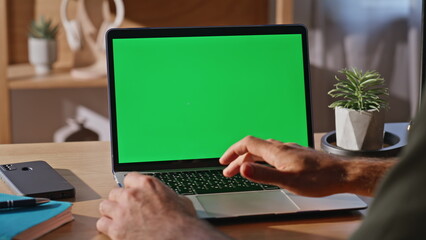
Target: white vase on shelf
42, 53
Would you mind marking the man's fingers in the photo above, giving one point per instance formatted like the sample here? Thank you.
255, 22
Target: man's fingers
115, 193
254, 146
103, 225
132, 180
264, 174
147, 185
273, 141
234, 167
108, 208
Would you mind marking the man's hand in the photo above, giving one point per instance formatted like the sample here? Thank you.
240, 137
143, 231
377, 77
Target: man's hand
301, 170
147, 209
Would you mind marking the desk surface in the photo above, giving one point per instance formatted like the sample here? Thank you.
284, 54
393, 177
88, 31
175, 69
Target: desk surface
87, 166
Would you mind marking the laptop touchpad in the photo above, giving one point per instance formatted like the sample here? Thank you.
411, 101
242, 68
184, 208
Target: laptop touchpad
246, 203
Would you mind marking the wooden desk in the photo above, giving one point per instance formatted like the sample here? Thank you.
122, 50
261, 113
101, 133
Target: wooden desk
87, 166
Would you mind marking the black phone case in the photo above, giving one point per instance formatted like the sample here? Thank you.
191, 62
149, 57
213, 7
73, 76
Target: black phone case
36, 179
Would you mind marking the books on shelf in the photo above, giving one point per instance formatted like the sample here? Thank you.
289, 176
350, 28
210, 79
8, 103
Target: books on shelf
32, 222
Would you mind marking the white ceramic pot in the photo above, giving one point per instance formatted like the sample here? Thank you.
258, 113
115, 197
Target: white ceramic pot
359, 130
42, 54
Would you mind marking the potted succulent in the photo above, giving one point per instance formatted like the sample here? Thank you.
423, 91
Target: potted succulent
360, 109
42, 45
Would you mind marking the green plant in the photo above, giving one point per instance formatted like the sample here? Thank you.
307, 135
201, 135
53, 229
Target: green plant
43, 29
359, 91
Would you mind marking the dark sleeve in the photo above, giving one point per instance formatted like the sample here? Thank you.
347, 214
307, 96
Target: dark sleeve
399, 208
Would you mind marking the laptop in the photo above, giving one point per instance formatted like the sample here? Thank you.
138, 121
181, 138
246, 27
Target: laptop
179, 97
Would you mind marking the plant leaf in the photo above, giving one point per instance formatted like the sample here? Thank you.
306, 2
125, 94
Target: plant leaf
360, 91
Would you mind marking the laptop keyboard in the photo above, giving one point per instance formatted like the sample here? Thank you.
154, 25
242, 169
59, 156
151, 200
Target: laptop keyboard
208, 181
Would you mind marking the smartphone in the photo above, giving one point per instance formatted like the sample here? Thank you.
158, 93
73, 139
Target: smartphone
36, 179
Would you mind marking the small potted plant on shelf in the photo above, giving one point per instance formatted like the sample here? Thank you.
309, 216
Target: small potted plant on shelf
360, 110
42, 45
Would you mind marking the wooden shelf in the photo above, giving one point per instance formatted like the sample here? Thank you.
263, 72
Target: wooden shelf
22, 76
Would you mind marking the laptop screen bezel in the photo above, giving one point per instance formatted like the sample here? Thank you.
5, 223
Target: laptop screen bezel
123, 33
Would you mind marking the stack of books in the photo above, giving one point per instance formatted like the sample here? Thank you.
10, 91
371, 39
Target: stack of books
32, 222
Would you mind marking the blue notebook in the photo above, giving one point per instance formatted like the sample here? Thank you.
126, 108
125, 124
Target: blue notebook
32, 222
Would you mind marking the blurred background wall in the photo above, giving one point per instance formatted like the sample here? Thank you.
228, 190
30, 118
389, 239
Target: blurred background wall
383, 35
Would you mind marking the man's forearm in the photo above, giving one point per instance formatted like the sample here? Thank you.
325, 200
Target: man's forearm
362, 175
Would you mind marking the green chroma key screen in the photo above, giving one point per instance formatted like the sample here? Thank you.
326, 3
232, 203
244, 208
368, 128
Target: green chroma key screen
181, 98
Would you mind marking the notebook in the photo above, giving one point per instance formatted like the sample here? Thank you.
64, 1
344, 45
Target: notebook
32, 222
179, 97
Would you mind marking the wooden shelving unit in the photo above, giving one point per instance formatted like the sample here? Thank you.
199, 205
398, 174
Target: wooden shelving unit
5, 119
21, 76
